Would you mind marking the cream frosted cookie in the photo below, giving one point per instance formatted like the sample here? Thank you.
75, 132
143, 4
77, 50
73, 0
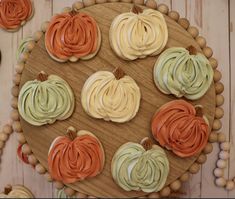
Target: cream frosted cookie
17, 191
45, 100
140, 168
72, 36
138, 33
111, 96
183, 72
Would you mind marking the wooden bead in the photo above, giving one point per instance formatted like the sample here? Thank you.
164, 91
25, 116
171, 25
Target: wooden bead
14, 115
14, 102
201, 41
44, 26
221, 137
208, 148
201, 159
139, 2
26, 149
213, 62
88, 2
113, 1
66, 9
194, 168
223, 155
37, 35
218, 172
126, 1
213, 137
219, 113
217, 75
24, 57
184, 177
220, 182
175, 186
219, 88
219, 100
19, 67
48, 177
81, 195
21, 138
151, 4
16, 79
15, 91
100, 1
17, 126
77, 6
3, 137
184, 23
216, 125
221, 164
32, 159
69, 191
40, 169
163, 8
30, 45
59, 185
7, 129
225, 146
154, 195
193, 31
230, 185
2, 144
174, 15
165, 192
207, 52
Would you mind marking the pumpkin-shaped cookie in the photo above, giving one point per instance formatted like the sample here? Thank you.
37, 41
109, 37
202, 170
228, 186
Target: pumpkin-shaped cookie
183, 72
14, 14
76, 156
138, 33
111, 96
45, 100
72, 36
17, 191
140, 167
181, 127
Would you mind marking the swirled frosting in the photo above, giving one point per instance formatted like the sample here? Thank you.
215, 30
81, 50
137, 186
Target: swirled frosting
179, 73
18, 192
13, 13
61, 194
104, 96
72, 35
177, 127
134, 168
70, 161
44, 102
139, 35
23, 46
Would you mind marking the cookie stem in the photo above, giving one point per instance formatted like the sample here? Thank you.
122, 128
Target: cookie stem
146, 143
136, 9
71, 133
118, 73
42, 76
199, 111
7, 189
192, 50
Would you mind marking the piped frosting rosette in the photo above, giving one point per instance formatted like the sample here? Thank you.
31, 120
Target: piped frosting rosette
111, 96
45, 100
14, 13
72, 36
181, 127
76, 156
183, 72
135, 168
138, 33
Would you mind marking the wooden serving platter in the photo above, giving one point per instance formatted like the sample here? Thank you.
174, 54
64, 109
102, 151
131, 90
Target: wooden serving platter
111, 135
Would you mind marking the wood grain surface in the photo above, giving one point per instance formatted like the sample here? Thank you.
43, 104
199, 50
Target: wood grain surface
201, 14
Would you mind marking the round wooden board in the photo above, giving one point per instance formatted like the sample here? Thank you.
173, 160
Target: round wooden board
112, 135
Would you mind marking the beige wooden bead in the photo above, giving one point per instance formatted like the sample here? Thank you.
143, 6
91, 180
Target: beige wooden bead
37, 35
165, 192
184, 23
17, 126
3, 137
19, 67
48, 177
193, 31
194, 168
32, 159
7, 129
65, 10
44, 26
21, 138
14, 102
219, 113
174, 15
15, 91
151, 4
81, 195
219, 100
2, 144
30, 45
220, 182
184, 177
40, 169
139, 2
16, 79
217, 75
201, 159
100, 1
24, 57
201, 41
69, 191
221, 137
207, 52
225, 146
175, 186
88, 2
213, 137
77, 6
59, 185
216, 125
221, 164
208, 148
213, 62
230, 185
218, 172
154, 195
163, 8
26, 149
126, 1
14, 115
223, 155
219, 88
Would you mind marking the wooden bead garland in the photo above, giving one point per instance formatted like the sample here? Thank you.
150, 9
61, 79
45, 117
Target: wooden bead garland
193, 31
213, 62
207, 52
219, 100
88, 2
174, 15
77, 6
163, 9
151, 4
219, 88
184, 23
201, 41
139, 2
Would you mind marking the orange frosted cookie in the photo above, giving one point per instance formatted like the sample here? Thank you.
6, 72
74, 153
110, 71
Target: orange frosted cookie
181, 127
72, 36
75, 157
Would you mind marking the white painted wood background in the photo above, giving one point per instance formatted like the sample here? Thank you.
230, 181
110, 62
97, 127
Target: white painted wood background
216, 22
